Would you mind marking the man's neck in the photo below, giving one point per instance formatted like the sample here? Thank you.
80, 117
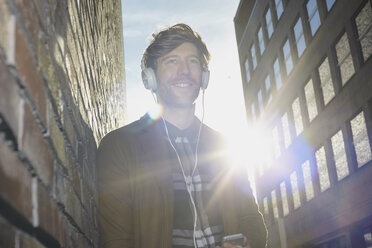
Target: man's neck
179, 117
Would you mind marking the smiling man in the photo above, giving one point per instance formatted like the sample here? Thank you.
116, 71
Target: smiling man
166, 182
178, 76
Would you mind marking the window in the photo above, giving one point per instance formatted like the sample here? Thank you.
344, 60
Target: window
268, 89
286, 131
309, 189
310, 100
339, 155
321, 163
254, 57
276, 144
279, 8
247, 74
330, 4
283, 192
269, 23
296, 108
260, 102
360, 139
287, 57
295, 191
278, 78
345, 61
314, 18
364, 26
266, 206
275, 204
326, 81
261, 42
299, 37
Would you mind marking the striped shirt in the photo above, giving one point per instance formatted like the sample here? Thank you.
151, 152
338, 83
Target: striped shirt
209, 229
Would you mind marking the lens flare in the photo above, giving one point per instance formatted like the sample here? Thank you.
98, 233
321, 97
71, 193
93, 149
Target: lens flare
155, 111
248, 147
249, 151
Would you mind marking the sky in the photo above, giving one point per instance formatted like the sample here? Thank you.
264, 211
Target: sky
213, 20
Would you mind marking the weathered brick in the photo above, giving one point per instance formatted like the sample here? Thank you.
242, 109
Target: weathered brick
94, 213
85, 196
42, 9
74, 174
29, 74
87, 226
96, 237
29, 18
82, 241
61, 18
69, 57
35, 147
52, 7
73, 70
69, 236
7, 234
72, 205
9, 97
5, 16
59, 184
15, 181
54, 60
45, 65
57, 137
84, 115
91, 156
70, 131
27, 241
48, 212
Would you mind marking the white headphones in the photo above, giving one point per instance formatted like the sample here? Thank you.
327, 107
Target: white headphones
149, 77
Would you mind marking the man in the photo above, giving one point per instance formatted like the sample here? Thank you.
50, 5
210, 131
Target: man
165, 182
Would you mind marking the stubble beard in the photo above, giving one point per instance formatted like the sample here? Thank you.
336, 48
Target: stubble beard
169, 98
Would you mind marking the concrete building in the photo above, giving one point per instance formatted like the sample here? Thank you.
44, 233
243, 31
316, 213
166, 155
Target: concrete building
307, 79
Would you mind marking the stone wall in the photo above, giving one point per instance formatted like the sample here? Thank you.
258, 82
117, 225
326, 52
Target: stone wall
61, 89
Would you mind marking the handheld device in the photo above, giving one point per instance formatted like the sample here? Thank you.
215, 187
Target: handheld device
236, 239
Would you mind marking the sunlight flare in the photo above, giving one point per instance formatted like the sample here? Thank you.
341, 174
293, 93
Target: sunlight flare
249, 147
155, 111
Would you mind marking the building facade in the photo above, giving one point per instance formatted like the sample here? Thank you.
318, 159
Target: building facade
307, 79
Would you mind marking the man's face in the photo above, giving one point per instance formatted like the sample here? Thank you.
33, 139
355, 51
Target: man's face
178, 76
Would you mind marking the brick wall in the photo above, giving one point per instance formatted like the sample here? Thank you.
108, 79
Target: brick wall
61, 89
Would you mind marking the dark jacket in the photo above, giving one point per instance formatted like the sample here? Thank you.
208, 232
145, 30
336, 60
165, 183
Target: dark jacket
135, 188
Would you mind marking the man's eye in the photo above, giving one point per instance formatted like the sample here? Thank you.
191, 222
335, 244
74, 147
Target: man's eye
171, 61
194, 61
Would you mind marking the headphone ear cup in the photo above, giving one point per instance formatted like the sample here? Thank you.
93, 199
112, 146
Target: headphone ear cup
149, 79
205, 79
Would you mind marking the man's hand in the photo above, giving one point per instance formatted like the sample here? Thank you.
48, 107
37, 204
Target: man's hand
232, 245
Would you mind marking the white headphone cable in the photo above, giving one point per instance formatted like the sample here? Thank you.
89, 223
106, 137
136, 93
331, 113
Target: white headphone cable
181, 165
187, 182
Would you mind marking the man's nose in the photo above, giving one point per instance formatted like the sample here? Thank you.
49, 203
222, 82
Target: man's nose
183, 68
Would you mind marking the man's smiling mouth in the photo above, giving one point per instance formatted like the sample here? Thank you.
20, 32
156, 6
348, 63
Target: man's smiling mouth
182, 84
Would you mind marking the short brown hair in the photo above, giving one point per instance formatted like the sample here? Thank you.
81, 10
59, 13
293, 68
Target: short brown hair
170, 38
